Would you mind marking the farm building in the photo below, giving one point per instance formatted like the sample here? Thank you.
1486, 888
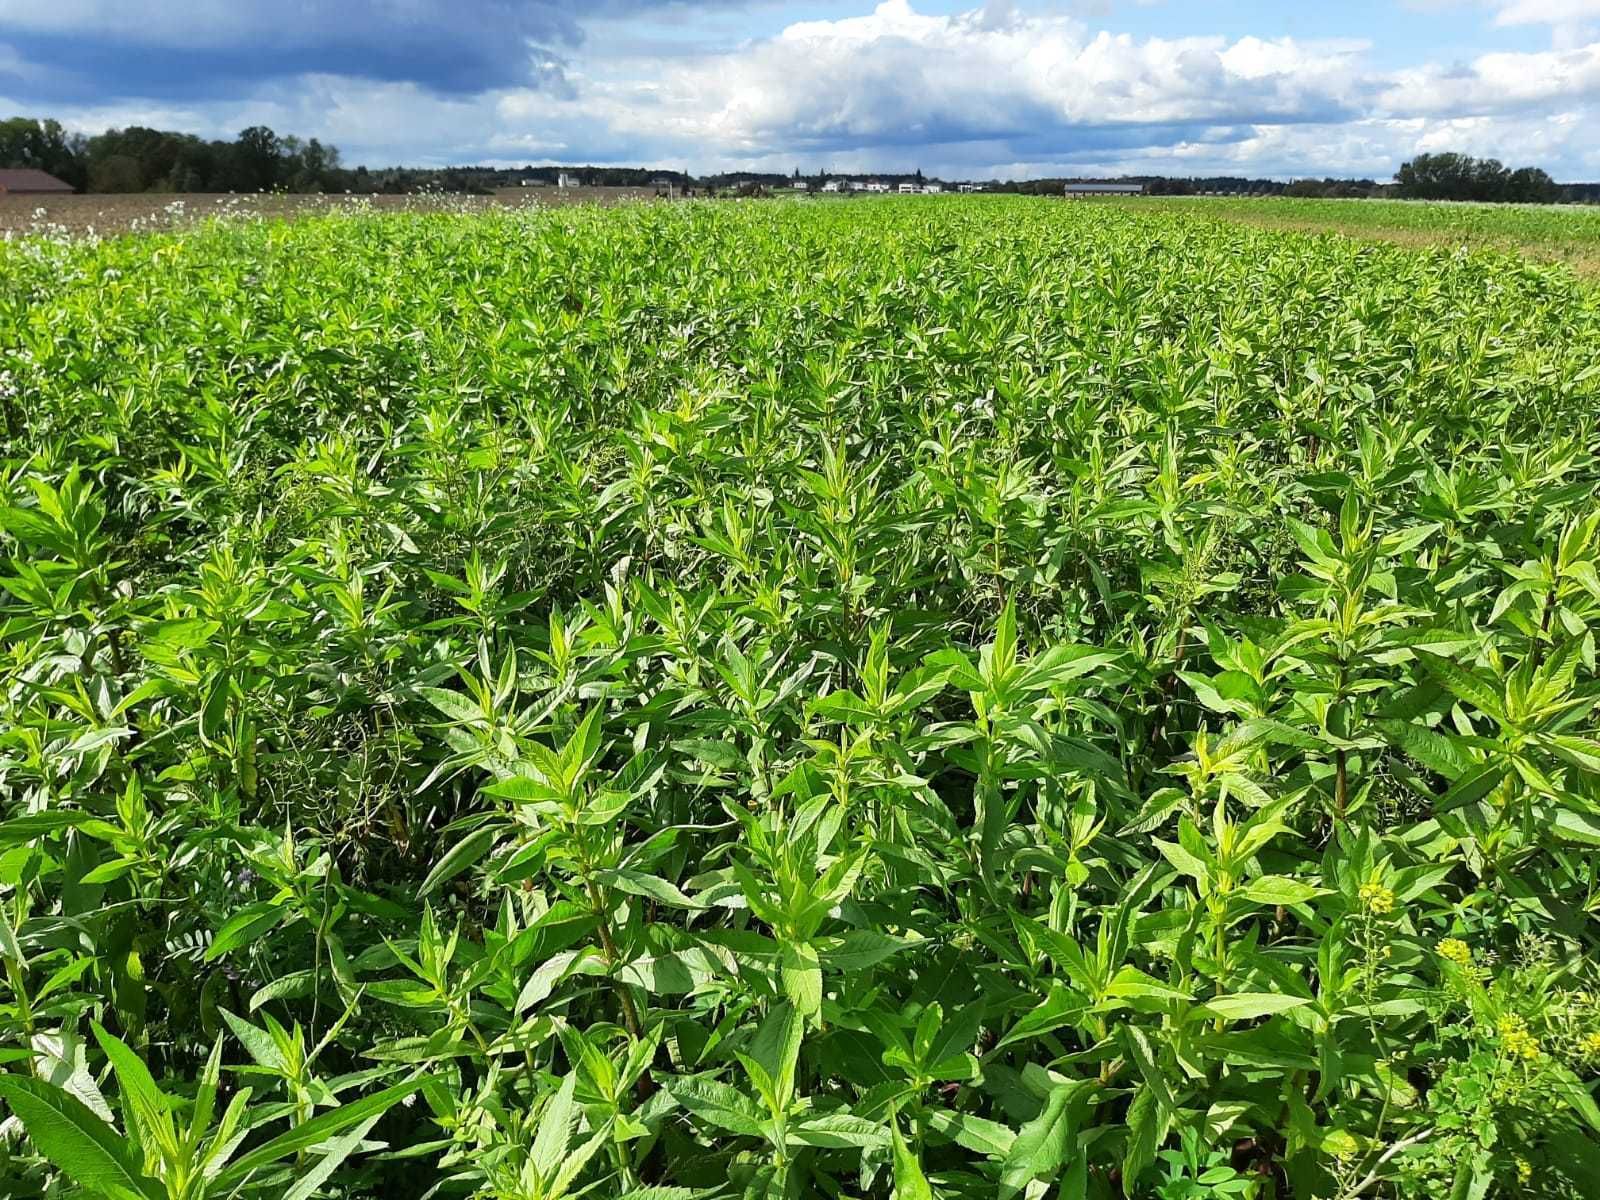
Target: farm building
25, 181
1104, 189
567, 181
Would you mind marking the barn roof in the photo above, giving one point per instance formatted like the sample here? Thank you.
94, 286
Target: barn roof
27, 179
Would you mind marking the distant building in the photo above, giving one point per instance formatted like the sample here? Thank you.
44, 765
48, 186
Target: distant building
800, 185
25, 181
566, 181
968, 187
831, 186
1104, 189
877, 188
932, 189
535, 183
909, 189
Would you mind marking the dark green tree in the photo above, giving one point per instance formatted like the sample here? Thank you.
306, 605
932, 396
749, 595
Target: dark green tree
257, 159
1530, 185
1451, 176
45, 145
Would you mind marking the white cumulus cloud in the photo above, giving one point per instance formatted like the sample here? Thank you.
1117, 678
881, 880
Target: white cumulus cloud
1002, 89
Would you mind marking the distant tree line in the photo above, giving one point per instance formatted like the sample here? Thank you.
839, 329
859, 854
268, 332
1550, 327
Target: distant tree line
814, 182
1201, 185
1425, 177
1155, 185
483, 180
258, 160
597, 176
1462, 177
137, 159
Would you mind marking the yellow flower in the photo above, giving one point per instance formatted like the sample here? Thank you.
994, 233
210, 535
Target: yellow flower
1589, 1044
1376, 898
1516, 1039
1456, 951
1524, 1170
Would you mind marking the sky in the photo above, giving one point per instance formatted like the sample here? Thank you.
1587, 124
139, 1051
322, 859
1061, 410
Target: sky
956, 88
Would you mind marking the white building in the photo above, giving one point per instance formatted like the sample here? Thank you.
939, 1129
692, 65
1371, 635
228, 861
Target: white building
877, 188
909, 189
567, 181
831, 186
932, 189
800, 185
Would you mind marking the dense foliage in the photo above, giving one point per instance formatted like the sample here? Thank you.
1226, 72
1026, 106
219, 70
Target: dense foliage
1452, 176
44, 145
138, 159
942, 698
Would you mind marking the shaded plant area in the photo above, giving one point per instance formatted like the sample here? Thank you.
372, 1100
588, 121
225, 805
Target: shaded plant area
940, 698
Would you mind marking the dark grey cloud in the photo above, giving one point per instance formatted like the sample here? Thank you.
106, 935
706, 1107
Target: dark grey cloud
94, 51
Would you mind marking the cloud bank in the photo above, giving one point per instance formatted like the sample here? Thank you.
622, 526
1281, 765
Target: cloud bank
1002, 89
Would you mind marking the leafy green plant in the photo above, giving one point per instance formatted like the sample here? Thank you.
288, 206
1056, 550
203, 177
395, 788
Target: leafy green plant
922, 701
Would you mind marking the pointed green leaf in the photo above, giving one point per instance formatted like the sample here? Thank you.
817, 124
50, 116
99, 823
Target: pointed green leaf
80, 1144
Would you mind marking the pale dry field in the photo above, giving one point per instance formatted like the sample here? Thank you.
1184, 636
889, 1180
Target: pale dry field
111, 214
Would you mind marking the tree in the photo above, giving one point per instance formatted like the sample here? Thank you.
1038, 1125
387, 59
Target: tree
257, 156
1437, 177
318, 167
116, 173
44, 145
1462, 177
140, 159
158, 157
1530, 185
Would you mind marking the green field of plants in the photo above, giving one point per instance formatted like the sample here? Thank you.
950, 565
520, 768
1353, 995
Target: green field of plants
1560, 233
934, 698
1519, 222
